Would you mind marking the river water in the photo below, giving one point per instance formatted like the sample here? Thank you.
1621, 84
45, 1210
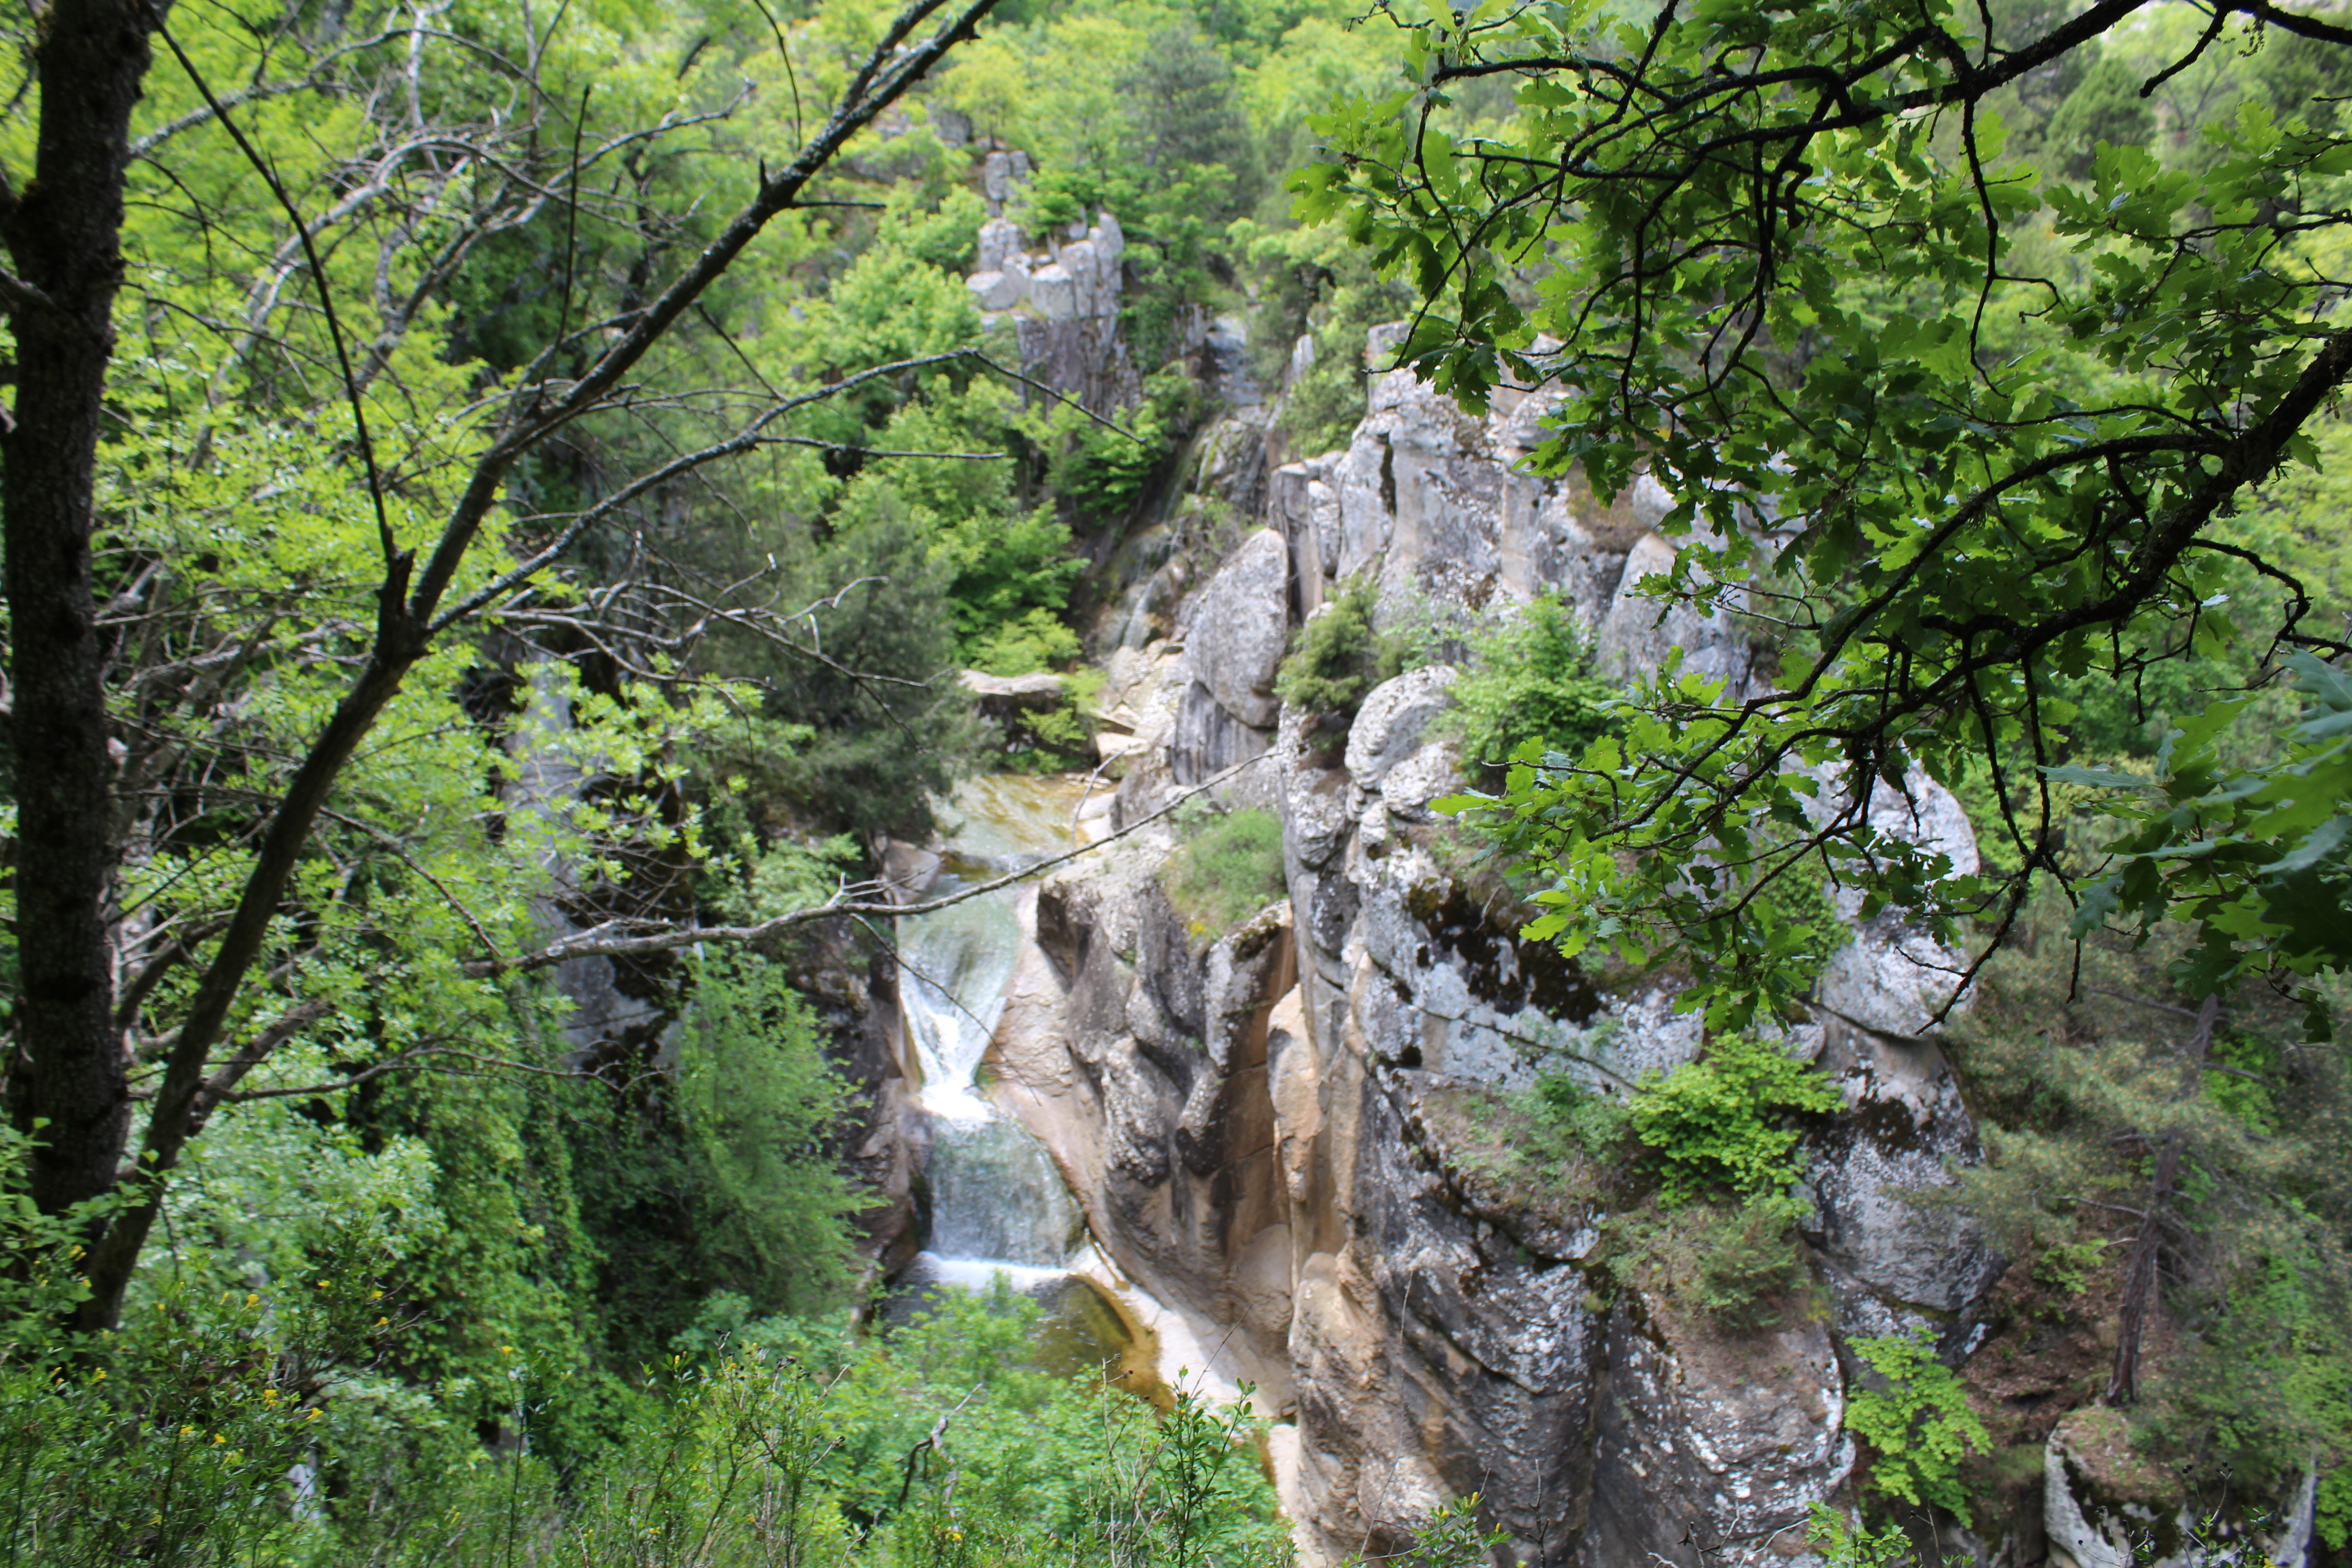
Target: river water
999, 1205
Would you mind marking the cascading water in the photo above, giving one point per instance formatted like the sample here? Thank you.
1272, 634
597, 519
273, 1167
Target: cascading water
999, 1205
997, 1202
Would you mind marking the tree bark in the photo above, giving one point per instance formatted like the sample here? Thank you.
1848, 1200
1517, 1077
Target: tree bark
2139, 1275
64, 233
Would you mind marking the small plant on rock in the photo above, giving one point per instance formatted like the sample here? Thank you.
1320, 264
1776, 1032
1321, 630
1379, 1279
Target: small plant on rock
1919, 1424
1337, 657
1721, 1124
1845, 1544
1530, 682
1227, 871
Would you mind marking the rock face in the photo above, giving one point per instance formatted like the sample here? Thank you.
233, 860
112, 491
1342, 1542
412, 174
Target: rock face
1256, 1126
1060, 289
1062, 278
1274, 1127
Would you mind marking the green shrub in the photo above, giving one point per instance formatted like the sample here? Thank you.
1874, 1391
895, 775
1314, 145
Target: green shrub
760, 1105
1012, 573
1228, 871
1741, 1265
1529, 682
1920, 1426
1322, 408
1565, 1112
1719, 1124
1846, 1546
1035, 639
1103, 473
244, 1430
1338, 656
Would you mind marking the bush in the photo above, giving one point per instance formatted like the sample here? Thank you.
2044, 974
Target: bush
761, 1106
1719, 1123
1566, 1113
1919, 1425
1228, 873
1337, 658
1322, 408
1530, 681
250, 1430
1846, 1546
1741, 1265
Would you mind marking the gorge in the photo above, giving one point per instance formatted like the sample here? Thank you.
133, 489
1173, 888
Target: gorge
1284, 1130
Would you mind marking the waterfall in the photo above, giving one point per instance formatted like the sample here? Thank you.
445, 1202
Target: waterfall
997, 1201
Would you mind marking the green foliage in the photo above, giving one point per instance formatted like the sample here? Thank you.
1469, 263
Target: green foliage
2333, 1519
2261, 858
760, 1105
1929, 367
1011, 578
1310, 283
1916, 1417
1853, 1545
887, 726
2075, 1059
1337, 657
1034, 640
1450, 1537
1564, 1110
1741, 1265
1135, 108
1104, 473
1796, 925
1227, 869
1719, 1124
1529, 684
764, 1441
2106, 109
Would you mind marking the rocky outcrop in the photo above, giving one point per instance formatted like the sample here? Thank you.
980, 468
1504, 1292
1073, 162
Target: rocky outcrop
1217, 696
1257, 1127
1138, 1050
1436, 505
2104, 1505
1071, 275
1278, 1126
1059, 290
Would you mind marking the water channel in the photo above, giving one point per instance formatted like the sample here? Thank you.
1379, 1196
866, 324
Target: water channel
999, 1205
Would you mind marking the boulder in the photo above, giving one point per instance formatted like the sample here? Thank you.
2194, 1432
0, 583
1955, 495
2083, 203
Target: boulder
1426, 775
1638, 632
1000, 238
1237, 628
1711, 1451
1053, 293
994, 289
1901, 1134
1389, 726
1208, 739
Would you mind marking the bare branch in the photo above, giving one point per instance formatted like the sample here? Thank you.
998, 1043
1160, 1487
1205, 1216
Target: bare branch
620, 939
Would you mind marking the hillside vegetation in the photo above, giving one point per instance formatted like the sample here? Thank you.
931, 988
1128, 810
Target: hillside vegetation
492, 487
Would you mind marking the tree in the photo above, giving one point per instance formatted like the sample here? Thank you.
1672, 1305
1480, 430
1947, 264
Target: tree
100, 718
1969, 448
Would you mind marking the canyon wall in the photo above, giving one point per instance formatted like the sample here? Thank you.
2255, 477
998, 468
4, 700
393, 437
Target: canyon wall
1286, 1129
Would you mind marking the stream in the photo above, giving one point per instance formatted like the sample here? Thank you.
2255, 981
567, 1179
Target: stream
999, 1205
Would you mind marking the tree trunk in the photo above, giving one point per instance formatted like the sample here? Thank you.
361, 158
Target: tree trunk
2139, 1275
64, 235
